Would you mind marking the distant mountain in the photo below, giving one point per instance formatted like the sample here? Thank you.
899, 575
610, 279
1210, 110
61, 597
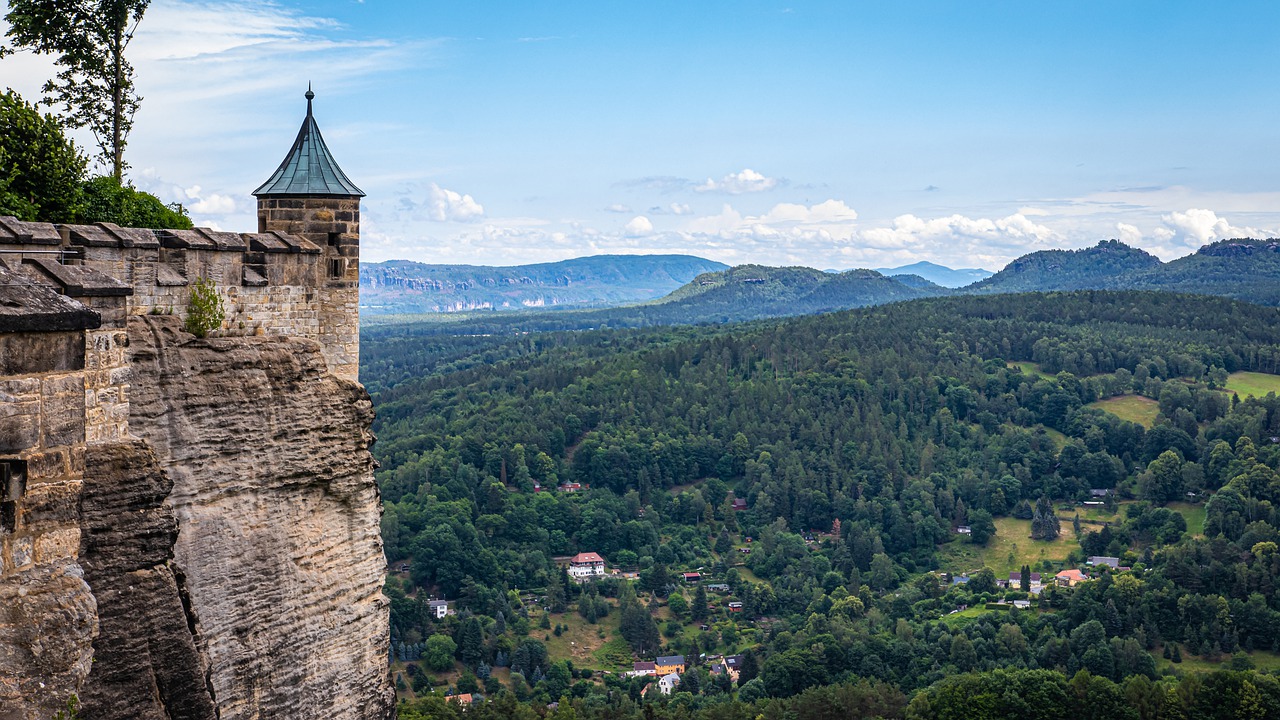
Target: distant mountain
402, 286
1091, 268
939, 274
750, 292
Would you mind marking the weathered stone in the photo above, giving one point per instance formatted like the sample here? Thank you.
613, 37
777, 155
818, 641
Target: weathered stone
278, 518
48, 618
146, 664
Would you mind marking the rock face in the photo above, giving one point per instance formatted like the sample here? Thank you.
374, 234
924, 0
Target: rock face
277, 553
145, 664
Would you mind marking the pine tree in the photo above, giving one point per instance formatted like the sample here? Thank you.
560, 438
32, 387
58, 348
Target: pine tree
1025, 583
699, 609
1177, 654
471, 643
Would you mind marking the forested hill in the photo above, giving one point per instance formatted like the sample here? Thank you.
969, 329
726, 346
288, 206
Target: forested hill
1242, 269
401, 286
1090, 268
859, 442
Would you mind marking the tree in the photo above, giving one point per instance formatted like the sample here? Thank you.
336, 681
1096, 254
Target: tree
471, 643
439, 652
1024, 581
981, 527
95, 82
556, 596
698, 611
40, 169
639, 629
107, 200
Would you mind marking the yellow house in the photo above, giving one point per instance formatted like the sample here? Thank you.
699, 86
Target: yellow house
669, 664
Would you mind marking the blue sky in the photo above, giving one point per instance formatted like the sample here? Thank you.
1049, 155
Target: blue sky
833, 135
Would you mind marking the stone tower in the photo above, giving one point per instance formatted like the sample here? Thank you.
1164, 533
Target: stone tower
310, 196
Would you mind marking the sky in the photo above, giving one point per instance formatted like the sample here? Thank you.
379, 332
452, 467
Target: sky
826, 134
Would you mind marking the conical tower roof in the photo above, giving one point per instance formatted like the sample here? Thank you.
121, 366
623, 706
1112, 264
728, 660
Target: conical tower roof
309, 169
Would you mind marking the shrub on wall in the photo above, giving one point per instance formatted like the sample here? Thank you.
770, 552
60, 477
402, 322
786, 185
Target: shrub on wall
204, 310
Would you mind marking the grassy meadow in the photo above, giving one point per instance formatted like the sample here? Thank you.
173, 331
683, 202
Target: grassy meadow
1133, 408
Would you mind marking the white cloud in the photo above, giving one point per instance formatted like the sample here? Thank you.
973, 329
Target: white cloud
832, 219
1014, 231
1129, 234
618, 208
747, 181
679, 209
449, 206
639, 225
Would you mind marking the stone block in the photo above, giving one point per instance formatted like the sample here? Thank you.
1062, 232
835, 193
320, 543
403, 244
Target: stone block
19, 425
46, 505
63, 419
31, 353
57, 545
47, 465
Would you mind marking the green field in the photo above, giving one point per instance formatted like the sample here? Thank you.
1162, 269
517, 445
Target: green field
1193, 514
1133, 408
1253, 383
581, 643
1013, 538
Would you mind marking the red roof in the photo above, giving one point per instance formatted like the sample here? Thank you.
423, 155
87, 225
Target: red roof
585, 558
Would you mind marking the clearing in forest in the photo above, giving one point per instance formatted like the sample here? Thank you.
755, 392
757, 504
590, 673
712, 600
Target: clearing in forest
1133, 408
1009, 550
1253, 383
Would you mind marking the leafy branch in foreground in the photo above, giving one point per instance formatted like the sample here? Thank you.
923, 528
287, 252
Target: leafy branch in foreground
95, 82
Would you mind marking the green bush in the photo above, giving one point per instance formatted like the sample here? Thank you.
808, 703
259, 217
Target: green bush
204, 310
106, 200
40, 169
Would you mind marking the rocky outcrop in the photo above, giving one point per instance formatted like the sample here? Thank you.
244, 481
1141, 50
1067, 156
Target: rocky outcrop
47, 621
277, 516
146, 665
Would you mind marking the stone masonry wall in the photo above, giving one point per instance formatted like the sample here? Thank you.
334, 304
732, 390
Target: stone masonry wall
333, 225
271, 283
48, 615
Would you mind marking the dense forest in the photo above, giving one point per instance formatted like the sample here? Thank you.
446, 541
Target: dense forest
817, 471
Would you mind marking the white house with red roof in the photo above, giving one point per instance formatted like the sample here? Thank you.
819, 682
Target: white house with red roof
584, 566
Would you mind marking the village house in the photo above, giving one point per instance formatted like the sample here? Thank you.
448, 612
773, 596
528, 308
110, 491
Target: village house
718, 587
669, 664
584, 566
1015, 579
439, 608
644, 668
1110, 562
739, 504
964, 530
668, 683
571, 487
733, 665
1070, 578
735, 606
692, 577
464, 699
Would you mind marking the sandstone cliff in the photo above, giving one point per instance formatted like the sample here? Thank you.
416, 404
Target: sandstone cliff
277, 520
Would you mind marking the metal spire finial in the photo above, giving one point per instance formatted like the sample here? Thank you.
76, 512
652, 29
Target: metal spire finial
310, 96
